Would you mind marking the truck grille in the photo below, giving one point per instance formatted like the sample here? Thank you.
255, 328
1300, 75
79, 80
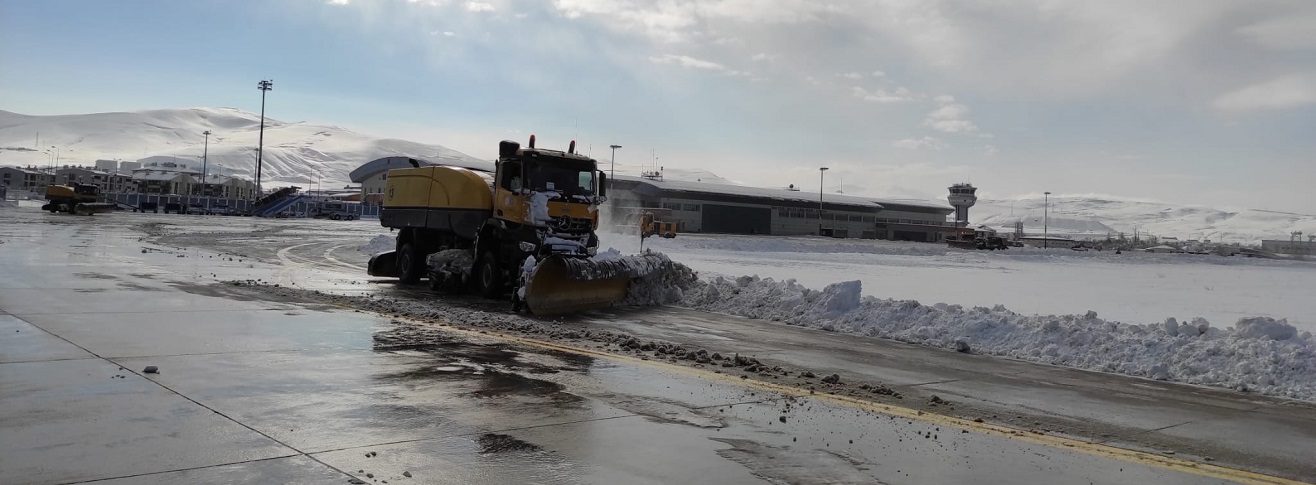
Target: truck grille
571, 224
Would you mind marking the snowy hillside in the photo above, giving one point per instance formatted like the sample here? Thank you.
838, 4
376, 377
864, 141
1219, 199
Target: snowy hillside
1094, 216
294, 152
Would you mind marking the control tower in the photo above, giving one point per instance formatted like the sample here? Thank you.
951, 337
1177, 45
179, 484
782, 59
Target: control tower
962, 198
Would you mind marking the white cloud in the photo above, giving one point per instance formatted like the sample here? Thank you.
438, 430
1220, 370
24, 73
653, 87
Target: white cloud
950, 116
883, 96
925, 143
479, 7
449, 34
337, 2
694, 63
851, 75
763, 56
1295, 32
1282, 93
878, 74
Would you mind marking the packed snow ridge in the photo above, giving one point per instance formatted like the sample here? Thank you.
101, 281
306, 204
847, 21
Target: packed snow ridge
1260, 354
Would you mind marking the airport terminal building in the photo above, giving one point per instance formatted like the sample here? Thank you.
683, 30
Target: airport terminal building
732, 209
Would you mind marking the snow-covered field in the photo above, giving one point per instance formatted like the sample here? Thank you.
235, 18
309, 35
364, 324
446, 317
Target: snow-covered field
1129, 287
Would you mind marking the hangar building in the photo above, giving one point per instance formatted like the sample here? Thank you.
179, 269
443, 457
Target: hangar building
734, 209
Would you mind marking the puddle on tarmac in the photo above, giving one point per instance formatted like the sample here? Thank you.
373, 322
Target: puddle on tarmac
788, 464
501, 443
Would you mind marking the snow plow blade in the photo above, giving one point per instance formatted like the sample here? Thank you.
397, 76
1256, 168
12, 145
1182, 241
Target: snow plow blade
563, 284
383, 264
93, 208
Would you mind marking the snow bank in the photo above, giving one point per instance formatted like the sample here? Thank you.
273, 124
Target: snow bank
1260, 354
378, 244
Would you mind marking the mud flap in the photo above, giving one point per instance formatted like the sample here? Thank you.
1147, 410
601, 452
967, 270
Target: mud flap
383, 264
563, 284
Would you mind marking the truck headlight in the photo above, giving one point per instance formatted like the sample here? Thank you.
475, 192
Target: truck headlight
527, 247
593, 250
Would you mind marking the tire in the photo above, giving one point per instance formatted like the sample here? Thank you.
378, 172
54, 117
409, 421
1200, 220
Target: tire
488, 280
337, 217
411, 264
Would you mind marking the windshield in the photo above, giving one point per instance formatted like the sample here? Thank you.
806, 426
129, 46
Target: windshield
567, 180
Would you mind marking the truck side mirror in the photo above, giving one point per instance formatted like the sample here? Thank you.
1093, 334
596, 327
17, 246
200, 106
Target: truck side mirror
603, 184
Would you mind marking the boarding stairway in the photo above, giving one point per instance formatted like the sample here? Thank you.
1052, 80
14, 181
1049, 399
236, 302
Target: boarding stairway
276, 202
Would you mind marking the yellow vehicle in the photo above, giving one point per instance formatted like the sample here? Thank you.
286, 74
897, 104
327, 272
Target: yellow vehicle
83, 199
649, 226
528, 229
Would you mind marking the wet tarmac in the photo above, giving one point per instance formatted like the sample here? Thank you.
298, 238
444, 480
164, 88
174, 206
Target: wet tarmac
288, 390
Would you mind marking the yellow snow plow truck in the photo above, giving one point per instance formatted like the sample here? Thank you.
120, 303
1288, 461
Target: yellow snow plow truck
527, 229
81, 199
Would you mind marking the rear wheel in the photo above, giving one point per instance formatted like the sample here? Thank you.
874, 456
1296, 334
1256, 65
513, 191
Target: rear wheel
488, 277
411, 264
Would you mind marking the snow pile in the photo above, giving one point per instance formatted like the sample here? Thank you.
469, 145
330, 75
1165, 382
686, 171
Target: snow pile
452, 261
378, 244
1261, 354
663, 281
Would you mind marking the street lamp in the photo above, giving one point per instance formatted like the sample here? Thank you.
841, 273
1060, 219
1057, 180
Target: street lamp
821, 171
56, 166
264, 86
205, 163
1046, 203
612, 175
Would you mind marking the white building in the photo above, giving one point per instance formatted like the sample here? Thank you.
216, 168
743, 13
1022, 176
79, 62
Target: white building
1284, 246
107, 165
106, 180
25, 178
128, 167
162, 182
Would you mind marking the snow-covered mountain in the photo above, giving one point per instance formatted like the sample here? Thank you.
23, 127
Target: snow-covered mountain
1097, 216
294, 152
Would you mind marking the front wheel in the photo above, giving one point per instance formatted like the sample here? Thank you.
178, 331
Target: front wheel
488, 277
411, 264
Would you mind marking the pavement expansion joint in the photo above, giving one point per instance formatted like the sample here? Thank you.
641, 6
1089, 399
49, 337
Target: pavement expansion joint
138, 475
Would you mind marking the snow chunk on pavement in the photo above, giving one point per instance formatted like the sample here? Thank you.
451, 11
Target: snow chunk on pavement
378, 244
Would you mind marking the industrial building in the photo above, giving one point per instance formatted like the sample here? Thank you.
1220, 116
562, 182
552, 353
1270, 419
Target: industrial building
734, 209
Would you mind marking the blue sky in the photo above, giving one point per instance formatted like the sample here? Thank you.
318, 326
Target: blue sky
1191, 101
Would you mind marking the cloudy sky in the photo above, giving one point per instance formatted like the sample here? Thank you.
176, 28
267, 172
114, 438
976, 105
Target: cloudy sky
1193, 101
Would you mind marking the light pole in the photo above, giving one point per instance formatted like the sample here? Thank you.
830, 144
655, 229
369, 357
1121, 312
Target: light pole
821, 171
56, 166
612, 173
1046, 204
264, 86
205, 163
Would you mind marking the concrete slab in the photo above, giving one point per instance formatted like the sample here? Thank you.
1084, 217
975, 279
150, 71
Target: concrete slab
317, 400
293, 470
22, 342
183, 332
144, 299
73, 420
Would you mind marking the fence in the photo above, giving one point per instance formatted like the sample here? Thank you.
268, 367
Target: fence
302, 208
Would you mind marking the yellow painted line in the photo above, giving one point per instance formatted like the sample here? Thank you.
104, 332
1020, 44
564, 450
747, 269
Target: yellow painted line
1058, 442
